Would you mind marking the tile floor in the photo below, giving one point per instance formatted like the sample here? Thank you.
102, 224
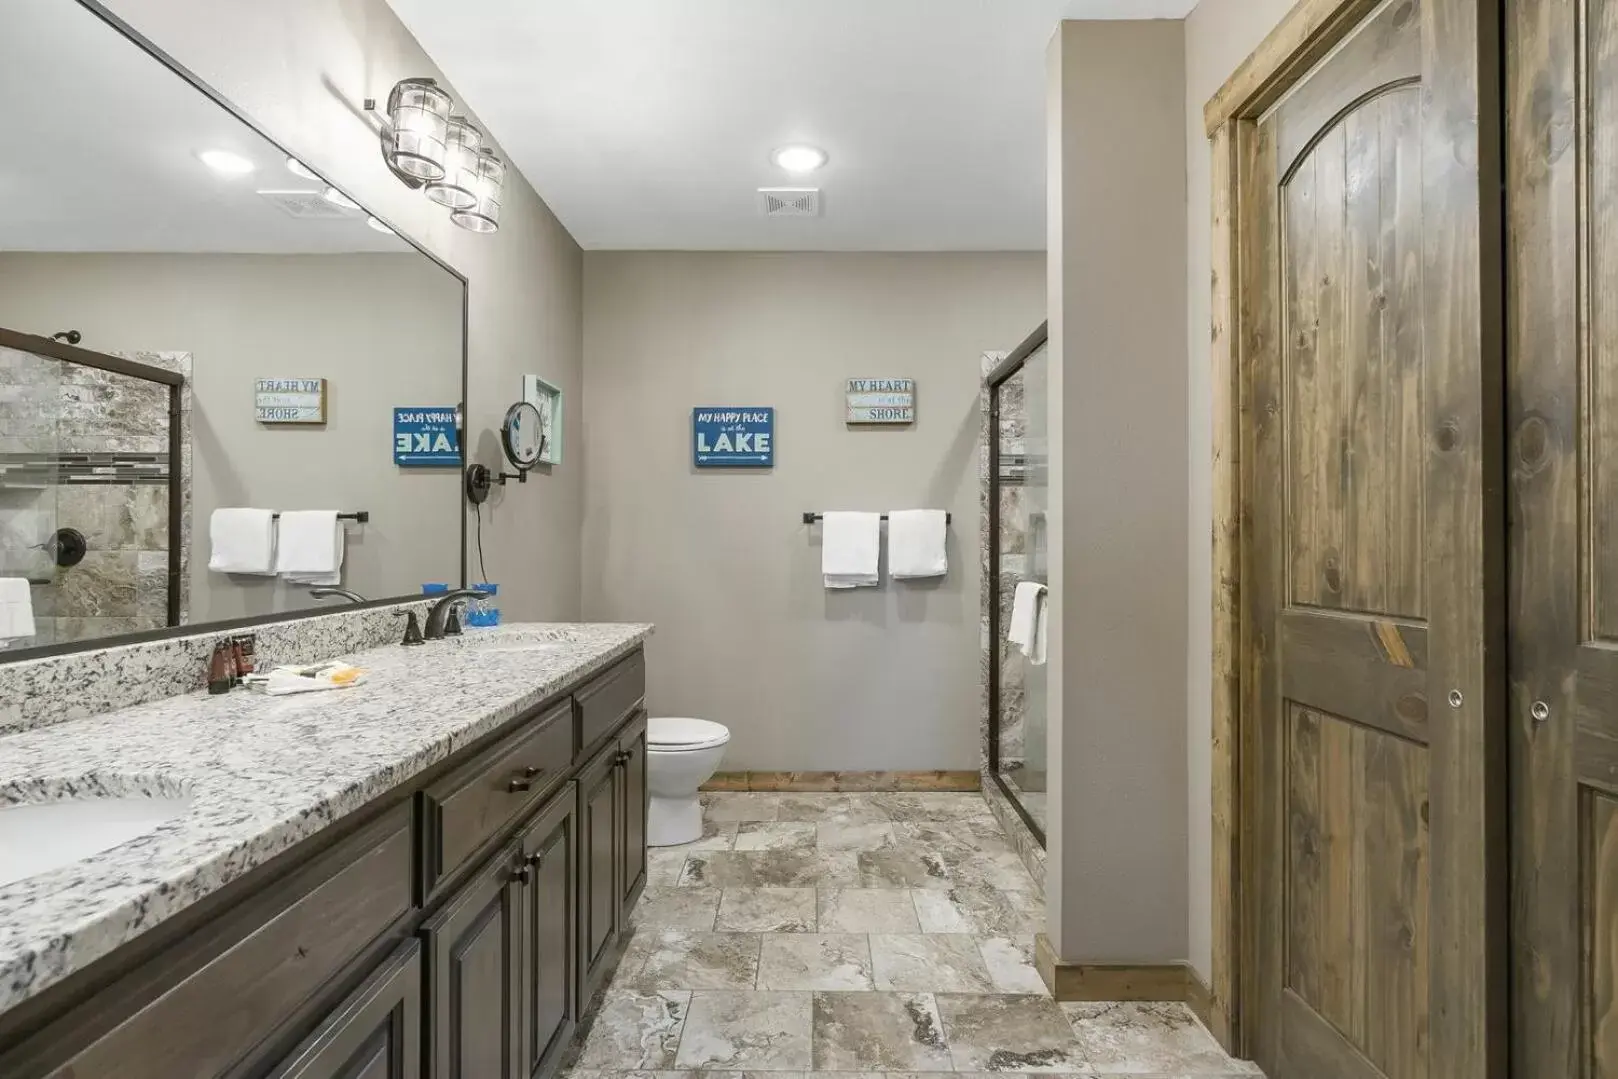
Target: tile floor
858, 933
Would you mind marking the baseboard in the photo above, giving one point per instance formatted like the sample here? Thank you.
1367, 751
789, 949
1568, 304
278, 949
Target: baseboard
1206, 1007
843, 781
1109, 981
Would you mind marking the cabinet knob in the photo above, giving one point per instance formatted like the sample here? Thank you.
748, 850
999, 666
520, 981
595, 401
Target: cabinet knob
522, 873
532, 770
517, 786
536, 858
624, 756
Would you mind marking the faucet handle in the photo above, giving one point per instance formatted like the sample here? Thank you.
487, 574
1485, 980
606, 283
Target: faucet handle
412, 633
452, 623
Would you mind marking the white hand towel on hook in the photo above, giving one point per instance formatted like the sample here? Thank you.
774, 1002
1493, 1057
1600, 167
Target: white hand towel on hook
310, 548
1028, 624
241, 541
916, 543
16, 609
850, 549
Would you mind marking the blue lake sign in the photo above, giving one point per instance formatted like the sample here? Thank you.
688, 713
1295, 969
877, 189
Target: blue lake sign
426, 437
733, 437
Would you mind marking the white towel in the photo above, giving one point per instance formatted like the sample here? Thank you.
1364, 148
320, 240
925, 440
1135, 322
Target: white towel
1028, 625
16, 609
916, 543
851, 546
241, 541
309, 549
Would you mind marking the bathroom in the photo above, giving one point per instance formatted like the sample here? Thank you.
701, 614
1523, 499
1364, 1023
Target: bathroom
230, 321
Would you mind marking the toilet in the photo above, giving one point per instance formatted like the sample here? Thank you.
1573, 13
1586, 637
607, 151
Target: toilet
681, 754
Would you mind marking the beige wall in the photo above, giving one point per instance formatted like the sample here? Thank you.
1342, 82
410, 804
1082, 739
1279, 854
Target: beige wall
299, 68
384, 330
1218, 35
721, 561
1116, 874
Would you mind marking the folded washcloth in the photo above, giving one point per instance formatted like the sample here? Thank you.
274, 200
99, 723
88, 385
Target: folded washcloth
283, 680
851, 546
241, 541
309, 549
1028, 623
16, 609
916, 543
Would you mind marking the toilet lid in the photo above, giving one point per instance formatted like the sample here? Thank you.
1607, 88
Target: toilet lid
668, 733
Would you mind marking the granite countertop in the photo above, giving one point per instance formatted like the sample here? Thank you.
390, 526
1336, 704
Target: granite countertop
263, 773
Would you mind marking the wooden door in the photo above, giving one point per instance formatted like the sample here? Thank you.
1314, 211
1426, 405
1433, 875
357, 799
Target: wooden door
1367, 763
550, 854
637, 802
473, 954
1562, 483
374, 1034
599, 859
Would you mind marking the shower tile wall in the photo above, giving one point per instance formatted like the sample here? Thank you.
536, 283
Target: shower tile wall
89, 451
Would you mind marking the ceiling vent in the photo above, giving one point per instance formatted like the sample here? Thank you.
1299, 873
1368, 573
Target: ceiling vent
789, 201
304, 205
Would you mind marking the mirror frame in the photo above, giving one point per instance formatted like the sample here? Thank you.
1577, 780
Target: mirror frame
18, 655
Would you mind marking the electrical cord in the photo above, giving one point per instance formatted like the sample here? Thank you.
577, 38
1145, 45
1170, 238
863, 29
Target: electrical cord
483, 570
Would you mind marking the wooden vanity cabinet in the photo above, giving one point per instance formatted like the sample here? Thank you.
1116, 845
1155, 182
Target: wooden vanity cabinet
455, 929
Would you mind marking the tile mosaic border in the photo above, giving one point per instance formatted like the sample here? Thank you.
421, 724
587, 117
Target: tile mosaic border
54, 689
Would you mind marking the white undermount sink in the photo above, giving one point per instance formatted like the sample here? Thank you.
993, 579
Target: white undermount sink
37, 837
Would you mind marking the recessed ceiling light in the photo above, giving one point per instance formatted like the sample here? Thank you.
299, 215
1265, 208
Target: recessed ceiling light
337, 198
298, 168
226, 163
376, 223
799, 159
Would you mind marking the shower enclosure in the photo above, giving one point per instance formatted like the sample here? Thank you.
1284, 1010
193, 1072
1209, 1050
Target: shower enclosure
90, 488
1018, 500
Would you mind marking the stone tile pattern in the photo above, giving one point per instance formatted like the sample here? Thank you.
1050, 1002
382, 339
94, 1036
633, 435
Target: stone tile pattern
1022, 839
910, 955
92, 455
964, 780
263, 773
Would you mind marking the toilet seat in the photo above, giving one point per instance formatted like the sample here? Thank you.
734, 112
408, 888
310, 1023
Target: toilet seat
678, 735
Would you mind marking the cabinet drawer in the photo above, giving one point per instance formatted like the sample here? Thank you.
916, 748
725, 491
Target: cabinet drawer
466, 808
309, 930
375, 1032
609, 700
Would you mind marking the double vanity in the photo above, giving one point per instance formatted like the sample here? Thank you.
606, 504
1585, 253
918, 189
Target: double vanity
425, 875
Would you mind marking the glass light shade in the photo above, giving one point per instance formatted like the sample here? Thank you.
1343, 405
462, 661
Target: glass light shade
485, 216
459, 188
418, 120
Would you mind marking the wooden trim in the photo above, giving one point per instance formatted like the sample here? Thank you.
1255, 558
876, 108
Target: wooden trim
1108, 981
1225, 398
1303, 36
1211, 1012
845, 781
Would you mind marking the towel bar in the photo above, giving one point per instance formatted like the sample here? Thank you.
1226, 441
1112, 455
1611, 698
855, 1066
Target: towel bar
811, 518
359, 515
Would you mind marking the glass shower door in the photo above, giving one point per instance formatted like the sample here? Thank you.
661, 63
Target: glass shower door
1019, 496
30, 396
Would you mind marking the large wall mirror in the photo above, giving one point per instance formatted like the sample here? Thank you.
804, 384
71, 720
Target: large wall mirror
191, 321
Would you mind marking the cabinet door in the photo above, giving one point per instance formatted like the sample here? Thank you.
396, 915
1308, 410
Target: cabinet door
550, 850
473, 954
599, 895
632, 857
374, 1034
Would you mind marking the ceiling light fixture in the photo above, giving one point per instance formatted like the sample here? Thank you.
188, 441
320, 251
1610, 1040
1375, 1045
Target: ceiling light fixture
337, 198
441, 155
376, 223
226, 163
298, 168
799, 158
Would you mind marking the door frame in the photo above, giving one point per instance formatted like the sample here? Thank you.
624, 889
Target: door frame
1304, 36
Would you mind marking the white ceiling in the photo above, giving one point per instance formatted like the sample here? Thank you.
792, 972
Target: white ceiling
101, 143
649, 123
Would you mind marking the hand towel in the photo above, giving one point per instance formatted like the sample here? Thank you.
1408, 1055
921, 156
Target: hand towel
916, 543
241, 541
16, 609
309, 549
1028, 623
851, 546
